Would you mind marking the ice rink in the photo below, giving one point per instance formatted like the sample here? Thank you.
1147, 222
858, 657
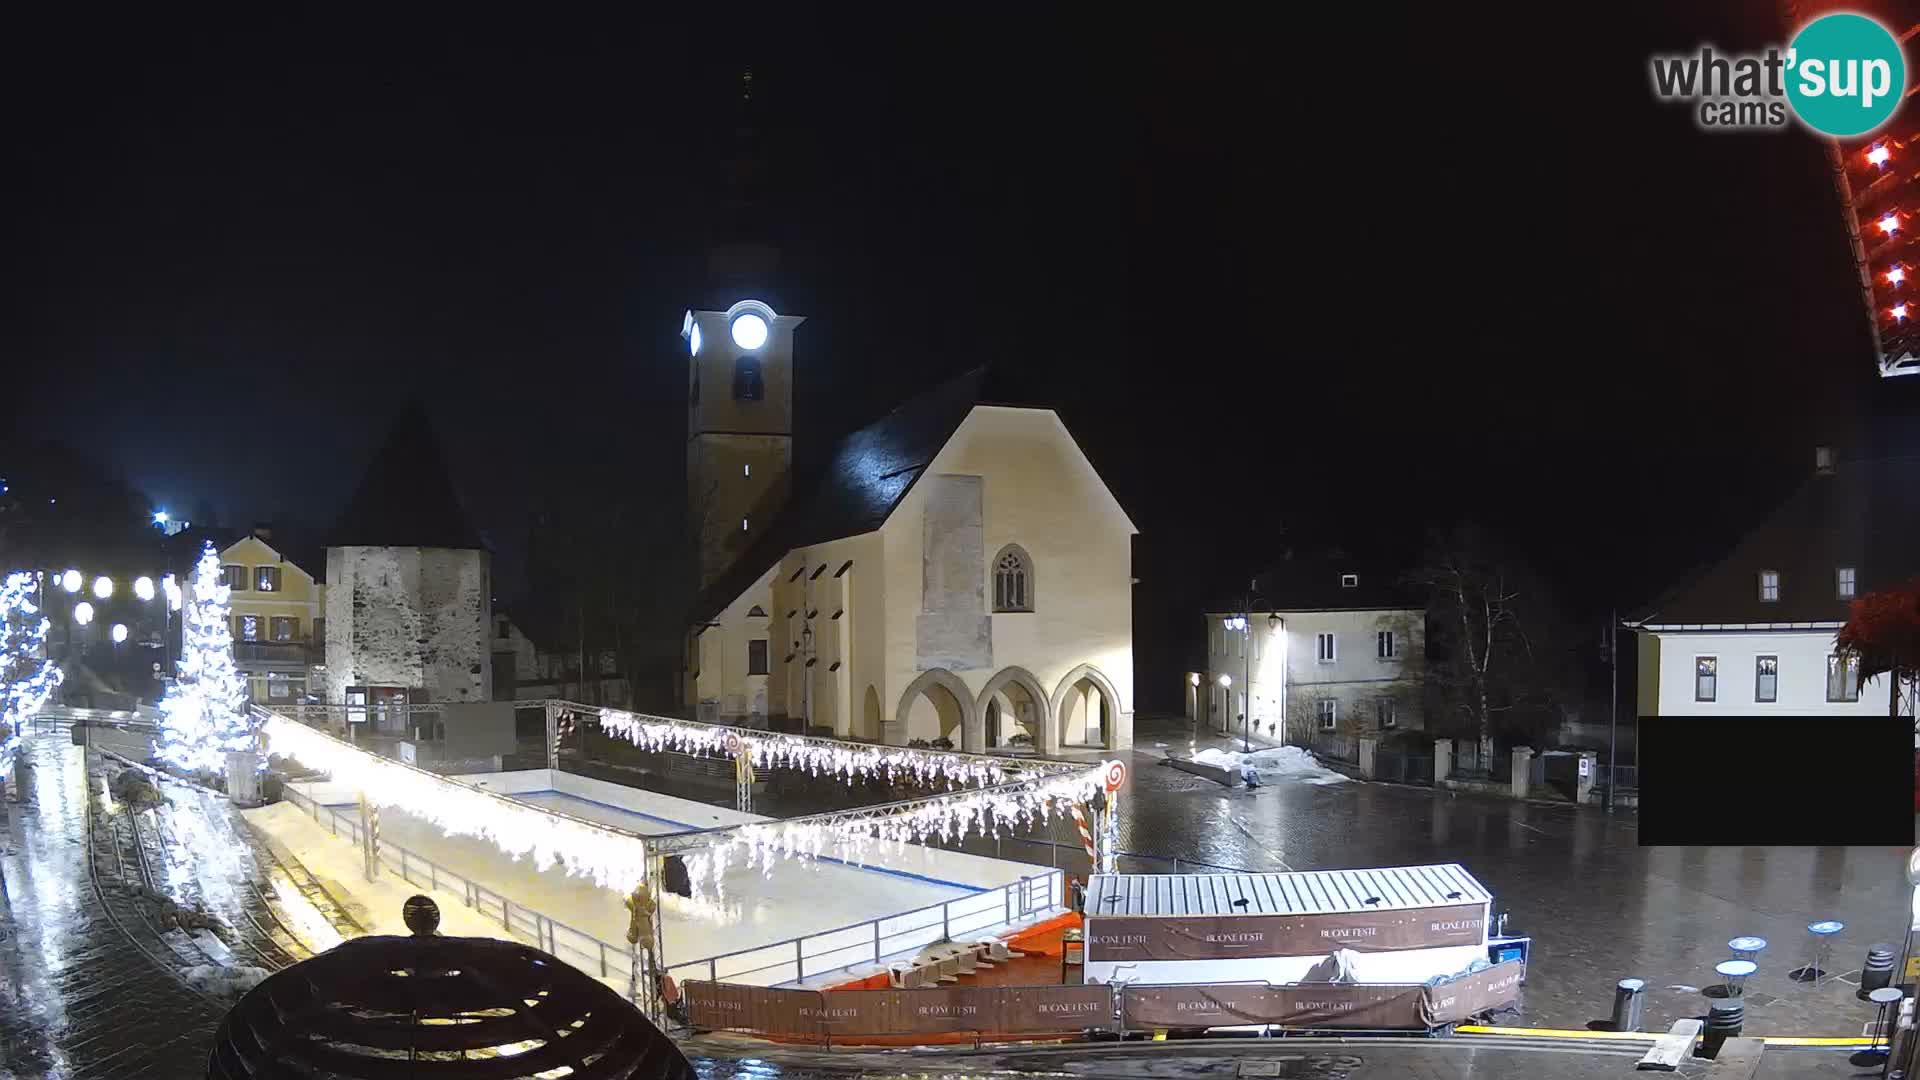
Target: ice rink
794, 900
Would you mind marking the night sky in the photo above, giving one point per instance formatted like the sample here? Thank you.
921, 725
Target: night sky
1336, 279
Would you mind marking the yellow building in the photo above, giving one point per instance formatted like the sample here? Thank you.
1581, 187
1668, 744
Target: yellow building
959, 570
279, 618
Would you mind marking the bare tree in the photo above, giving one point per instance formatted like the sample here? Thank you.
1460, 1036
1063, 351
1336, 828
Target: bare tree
1495, 630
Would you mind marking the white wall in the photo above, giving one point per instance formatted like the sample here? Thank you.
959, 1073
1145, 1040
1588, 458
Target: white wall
1400, 966
1802, 683
1285, 664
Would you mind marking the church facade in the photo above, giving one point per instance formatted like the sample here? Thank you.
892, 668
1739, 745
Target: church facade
958, 571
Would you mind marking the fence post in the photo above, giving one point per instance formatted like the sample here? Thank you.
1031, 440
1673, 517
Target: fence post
946, 922
1007, 895
799, 960
602, 946
876, 941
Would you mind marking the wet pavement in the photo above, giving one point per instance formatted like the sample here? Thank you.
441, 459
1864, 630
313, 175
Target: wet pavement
89, 987
1599, 907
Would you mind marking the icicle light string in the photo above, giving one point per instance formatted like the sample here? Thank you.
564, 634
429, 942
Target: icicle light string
816, 756
611, 858
856, 837
616, 860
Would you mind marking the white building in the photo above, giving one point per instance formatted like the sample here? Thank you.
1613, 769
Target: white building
1331, 646
957, 571
1754, 632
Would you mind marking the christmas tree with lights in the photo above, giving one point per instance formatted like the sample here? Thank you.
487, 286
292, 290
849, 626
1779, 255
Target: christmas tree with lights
206, 707
27, 676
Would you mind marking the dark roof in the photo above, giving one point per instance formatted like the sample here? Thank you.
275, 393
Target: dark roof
1313, 581
407, 498
868, 474
1864, 515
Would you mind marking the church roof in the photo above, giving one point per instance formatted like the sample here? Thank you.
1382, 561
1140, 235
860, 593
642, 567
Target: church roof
1862, 515
407, 498
868, 474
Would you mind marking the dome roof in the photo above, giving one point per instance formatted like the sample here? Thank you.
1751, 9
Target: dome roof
425, 1006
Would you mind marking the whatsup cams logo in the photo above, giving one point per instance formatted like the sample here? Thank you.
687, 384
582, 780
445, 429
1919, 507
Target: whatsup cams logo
1841, 75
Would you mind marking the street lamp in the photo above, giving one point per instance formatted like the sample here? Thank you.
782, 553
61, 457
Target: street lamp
1243, 623
102, 587
143, 587
806, 675
119, 632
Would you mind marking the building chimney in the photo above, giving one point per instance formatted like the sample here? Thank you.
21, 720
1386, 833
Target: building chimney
1823, 460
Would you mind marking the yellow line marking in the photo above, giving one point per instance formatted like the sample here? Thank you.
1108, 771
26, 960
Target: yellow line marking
1649, 1036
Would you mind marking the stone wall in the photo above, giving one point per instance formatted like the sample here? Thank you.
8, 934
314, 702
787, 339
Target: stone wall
409, 617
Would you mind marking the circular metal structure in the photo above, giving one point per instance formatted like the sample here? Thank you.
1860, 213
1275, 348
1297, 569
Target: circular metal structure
421, 914
427, 1006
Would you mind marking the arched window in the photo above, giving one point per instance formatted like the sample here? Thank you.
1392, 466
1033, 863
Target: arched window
747, 385
1012, 580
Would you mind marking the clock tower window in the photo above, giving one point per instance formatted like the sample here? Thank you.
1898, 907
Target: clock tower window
747, 384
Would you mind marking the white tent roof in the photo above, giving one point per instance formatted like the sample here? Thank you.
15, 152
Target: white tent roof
1302, 893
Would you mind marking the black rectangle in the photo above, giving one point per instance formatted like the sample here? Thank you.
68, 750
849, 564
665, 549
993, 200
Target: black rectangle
1787, 781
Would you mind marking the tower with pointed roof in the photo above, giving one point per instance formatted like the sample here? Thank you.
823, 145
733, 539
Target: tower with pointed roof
409, 596
739, 369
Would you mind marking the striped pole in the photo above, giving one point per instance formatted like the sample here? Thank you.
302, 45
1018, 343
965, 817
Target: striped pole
1086, 833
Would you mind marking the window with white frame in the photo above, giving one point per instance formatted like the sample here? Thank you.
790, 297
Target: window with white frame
1769, 586
1706, 678
1766, 678
1323, 648
1386, 711
1328, 709
1385, 646
1845, 582
1843, 678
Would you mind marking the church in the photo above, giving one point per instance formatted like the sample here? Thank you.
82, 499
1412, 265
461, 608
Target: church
959, 570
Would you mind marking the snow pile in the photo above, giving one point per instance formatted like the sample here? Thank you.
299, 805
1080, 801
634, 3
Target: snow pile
1280, 762
224, 982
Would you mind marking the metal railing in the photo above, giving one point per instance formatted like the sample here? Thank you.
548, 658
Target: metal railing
577, 947
1629, 775
808, 954
871, 941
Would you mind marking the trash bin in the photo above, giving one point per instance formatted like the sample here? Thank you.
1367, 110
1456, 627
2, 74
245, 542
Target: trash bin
1073, 955
1629, 1003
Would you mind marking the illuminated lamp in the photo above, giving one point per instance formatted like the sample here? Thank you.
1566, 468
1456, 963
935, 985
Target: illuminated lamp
119, 632
143, 588
1878, 155
1897, 275
83, 613
70, 581
749, 331
102, 587
1899, 312
693, 339
1890, 223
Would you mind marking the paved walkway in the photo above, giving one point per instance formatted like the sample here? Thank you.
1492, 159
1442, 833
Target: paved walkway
77, 1000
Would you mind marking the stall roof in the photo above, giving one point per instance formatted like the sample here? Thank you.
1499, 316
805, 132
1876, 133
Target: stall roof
1301, 893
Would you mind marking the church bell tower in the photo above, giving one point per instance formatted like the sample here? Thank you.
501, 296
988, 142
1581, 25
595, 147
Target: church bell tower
739, 427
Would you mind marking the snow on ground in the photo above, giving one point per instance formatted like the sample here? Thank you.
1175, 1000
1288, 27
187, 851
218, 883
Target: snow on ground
1279, 763
224, 982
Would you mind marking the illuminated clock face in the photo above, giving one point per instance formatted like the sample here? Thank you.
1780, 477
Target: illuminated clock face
693, 339
749, 331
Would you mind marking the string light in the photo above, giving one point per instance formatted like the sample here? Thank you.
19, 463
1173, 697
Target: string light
1899, 312
1897, 275
1890, 223
204, 708
1878, 155
609, 857
172, 587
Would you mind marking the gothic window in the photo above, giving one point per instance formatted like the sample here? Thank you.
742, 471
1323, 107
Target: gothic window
747, 385
1012, 580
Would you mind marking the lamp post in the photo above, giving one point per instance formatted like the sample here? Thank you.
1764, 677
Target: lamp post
1243, 622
